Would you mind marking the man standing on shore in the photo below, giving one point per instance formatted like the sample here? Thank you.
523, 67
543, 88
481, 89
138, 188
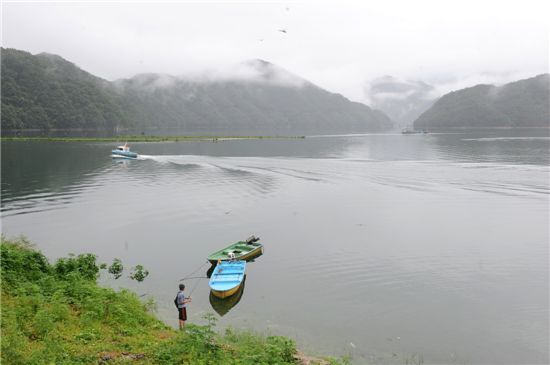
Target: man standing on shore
182, 301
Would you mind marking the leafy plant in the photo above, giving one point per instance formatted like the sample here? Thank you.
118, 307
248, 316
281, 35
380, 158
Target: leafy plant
139, 273
281, 347
21, 263
84, 265
116, 268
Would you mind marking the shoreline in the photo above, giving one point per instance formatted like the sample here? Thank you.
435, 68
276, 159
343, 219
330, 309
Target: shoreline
75, 319
144, 138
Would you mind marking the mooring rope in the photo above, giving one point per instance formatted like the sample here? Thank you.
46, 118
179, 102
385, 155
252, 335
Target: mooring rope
190, 277
200, 267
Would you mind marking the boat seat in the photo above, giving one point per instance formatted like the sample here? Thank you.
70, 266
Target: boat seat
226, 282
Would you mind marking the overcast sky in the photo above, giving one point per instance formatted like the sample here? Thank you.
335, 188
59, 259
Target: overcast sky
340, 46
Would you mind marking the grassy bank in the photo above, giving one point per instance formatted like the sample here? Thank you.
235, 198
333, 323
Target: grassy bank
140, 138
56, 313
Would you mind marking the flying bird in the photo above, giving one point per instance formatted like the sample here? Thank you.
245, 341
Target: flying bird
282, 30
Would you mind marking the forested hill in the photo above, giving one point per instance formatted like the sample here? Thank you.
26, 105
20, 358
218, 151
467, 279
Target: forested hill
45, 91
519, 104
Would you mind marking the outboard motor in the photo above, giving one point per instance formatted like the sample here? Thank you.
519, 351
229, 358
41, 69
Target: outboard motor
252, 239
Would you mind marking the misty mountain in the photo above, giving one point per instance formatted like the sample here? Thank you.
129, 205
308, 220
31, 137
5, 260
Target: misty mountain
45, 91
402, 100
262, 99
517, 104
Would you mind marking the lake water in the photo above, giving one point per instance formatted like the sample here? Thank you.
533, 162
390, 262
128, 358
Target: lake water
390, 248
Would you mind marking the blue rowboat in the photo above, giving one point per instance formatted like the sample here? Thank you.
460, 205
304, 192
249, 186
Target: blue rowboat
227, 278
123, 152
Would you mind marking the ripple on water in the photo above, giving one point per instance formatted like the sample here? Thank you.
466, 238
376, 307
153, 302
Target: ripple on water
229, 178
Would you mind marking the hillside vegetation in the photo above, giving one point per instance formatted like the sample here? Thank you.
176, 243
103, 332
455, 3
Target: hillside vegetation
520, 104
56, 313
47, 92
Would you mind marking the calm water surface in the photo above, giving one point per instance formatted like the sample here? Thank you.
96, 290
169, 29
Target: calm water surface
389, 248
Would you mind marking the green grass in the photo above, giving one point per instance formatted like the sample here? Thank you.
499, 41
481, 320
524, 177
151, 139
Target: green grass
143, 138
58, 314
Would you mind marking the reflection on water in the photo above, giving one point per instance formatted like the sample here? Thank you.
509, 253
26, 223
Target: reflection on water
46, 175
222, 306
434, 244
210, 271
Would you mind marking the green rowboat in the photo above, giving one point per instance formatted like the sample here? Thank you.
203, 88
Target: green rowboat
242, 250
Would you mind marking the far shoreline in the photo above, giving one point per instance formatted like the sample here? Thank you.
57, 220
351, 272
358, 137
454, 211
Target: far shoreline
81, 135
140, 138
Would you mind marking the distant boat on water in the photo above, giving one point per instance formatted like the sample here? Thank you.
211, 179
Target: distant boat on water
123, 152
413, 131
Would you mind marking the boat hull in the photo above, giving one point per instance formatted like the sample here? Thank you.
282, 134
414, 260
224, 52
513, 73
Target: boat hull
123, 154
123, 157
225, 293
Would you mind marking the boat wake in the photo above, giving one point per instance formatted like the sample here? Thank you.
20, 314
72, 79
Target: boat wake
506, 179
